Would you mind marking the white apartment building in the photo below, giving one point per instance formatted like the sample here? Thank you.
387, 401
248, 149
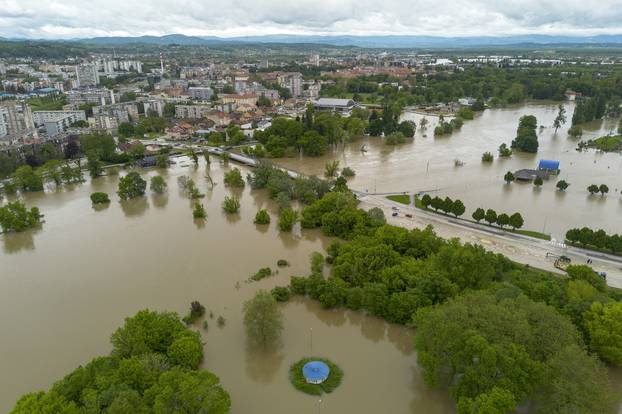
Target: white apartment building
41, 117
101, 96
87, 76
191, 111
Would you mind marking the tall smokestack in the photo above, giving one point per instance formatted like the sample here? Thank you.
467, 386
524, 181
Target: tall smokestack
161, 62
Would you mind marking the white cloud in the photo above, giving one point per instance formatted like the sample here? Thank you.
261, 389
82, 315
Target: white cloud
79, 18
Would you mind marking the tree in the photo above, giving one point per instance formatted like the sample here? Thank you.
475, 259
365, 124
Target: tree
509, 177
575, 131
27, 179
126, 129
157, 184
604, 326
516, 221
603, 189
491, 216
457, 208
538, 181
562, 185
100, 198
14, 216
504, 151
287, 219
560, 119
593, 189
263, 320
407, 128
234, 178
317, 263
503, 220
526, 139
186, 351
198, 212
479, 214
131, 186
426, 200
347, 172
395, 138
487, 157
161, 161
94, 165
40, 402
331, 168
231, 205
262, 217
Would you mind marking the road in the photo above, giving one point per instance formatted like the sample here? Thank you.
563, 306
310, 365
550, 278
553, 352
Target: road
519, 248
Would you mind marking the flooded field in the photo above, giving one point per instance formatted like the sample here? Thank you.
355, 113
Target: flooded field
66, 287
427, 163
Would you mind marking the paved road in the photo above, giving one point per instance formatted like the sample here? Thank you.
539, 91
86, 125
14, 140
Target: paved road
518, 248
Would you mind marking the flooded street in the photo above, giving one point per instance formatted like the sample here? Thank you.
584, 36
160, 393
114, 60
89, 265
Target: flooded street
66, 287
427, 163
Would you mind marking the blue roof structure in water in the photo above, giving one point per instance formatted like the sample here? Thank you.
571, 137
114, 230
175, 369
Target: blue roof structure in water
550, 165
315, 372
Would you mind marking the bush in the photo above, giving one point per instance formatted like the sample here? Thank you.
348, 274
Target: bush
157, 184
300, 383
487, 157
298, 285
280, 293
231, 205
196, 311
261, 274
282, 263
575, 131
348, 172
161, 161
262, 217
199, 211
131, 186
234, 178
99, 198
15, 217
287, 219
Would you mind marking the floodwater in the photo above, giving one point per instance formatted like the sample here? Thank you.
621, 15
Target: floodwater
428, 164
66, 287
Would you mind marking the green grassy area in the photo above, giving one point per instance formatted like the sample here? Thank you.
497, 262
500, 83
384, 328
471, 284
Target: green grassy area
50, 103
608, 143
300, 383
400, 198
531, 233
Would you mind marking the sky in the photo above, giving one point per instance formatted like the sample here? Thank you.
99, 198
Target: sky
56, 19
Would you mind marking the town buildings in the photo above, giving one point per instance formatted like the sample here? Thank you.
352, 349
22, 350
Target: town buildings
86, 74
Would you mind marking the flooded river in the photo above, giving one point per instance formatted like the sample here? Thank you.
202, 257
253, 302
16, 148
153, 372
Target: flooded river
66, 287
427, 163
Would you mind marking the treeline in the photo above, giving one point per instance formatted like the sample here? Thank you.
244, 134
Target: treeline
505, 85
597, 107
587, 237
153, 368
39, 49
495, 333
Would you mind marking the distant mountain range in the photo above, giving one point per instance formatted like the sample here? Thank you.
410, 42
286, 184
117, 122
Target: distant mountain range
392, 41
368, 41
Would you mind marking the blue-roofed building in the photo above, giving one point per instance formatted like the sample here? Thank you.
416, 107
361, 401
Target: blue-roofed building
551, 166
315, 372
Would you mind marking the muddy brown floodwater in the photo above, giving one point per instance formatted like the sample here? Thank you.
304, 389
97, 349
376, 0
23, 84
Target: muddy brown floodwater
427, 163
66, 287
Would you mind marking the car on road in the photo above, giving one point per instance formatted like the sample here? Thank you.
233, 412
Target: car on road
409, 215
395, 208
394, 214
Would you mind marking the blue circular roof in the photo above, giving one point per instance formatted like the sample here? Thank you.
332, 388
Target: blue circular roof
315, 371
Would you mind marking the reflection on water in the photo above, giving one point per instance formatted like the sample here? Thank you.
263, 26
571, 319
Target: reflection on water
263, 364
135, 207
16, 242
159, 200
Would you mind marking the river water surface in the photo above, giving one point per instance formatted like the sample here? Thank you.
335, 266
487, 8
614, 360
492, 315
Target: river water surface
66, 287
427, 163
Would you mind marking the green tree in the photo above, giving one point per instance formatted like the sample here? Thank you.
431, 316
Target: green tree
575, 131
426, 200
262, 217
234, 178
100, 198
186, 351
157, 184
287, 219
562, 185
603, 189
560, 119
14, 216
509, 177
538, 181
198, 212
126, 129
504, 151
94, 165
317, 263
27, 179
516, 221
526, 138
487, 157
593, 189
490, 216
604, 326
40, 402
131, 186
479, 214
503, 220
263, 320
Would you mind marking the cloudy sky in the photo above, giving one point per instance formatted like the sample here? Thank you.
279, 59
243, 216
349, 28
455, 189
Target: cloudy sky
88, 18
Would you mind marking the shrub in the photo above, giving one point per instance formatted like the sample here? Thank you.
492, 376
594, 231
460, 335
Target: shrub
131, 186
287, 219
99, 198
487, 157
348, 172
196, 311
262, 217
15, 217
157, 184
282, 263
280, 293
231, 205
234, 178
199, 211
261, 274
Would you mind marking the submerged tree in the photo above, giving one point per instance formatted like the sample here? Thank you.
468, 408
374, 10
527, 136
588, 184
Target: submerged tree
263, 320
560, 119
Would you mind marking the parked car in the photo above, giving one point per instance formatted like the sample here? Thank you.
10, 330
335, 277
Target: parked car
409, 215
394, 214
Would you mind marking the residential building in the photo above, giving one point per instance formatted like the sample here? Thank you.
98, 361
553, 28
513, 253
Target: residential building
87, 76
103, 122
240, 82
122, 112
247, 99
202, 93
60, 124
154, 106
15, 121
191, 111
291, 81
101, 96
41, 117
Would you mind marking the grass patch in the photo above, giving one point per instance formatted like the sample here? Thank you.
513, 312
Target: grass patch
400, 198
532, 233
261, 274
300, 383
